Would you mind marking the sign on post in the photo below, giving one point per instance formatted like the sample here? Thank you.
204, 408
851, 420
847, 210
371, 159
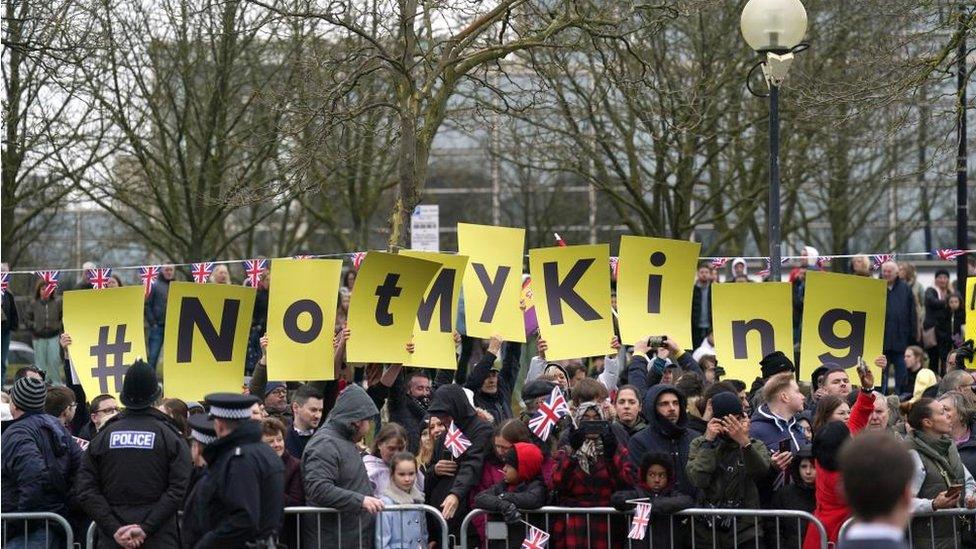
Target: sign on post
425, 228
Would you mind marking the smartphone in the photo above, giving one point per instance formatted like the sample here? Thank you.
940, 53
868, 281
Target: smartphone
862, 367
784, 445
954, 490
597, 427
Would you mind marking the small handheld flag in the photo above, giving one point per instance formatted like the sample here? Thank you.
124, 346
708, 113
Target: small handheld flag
642, 518
455, 441
549, 414
536, 539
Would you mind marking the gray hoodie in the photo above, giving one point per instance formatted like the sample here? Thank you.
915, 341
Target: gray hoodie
335, 476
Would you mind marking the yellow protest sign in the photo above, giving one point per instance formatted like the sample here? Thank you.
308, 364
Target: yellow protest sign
970, 307
107, 335
654, 283
843, 319
433, 333
383, 307
749, 321
571, 288
492, 281
207, 326
301, 318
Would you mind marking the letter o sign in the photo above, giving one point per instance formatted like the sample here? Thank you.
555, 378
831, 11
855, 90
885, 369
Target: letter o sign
290, 321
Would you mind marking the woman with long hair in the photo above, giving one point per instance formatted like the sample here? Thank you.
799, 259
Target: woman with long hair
179, 412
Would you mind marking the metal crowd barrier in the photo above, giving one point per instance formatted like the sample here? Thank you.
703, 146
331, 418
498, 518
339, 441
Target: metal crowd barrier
493, 531
33, 535
319, 512
921, 532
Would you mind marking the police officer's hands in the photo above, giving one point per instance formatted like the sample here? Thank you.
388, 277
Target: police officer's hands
372, 505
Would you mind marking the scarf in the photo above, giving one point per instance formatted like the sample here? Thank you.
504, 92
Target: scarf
591, 450
943, 452
403, 498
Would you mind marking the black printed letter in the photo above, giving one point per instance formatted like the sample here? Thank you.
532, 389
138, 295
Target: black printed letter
193, 314
557, 291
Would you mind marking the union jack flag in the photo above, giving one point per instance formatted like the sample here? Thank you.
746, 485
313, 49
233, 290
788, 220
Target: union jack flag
201, 271
614, 265
719, 262
357, 259
823, 260
252, 271
537, 539
50, 279
99, 277
549, 414
4, 282
642, 518
148, 275
881, 259
559, 240
455, 441
948, 254
767, 269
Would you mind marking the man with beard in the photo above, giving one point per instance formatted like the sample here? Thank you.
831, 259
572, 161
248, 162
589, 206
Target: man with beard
665, 410
408, 402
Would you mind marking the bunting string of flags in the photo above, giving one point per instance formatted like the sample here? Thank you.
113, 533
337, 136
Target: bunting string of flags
252, 271
99, 277
4, 282
356, 258
50, 279
148, 274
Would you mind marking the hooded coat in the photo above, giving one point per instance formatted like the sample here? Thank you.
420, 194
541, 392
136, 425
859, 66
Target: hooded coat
529, 493
796, 495
40, 462
336, 477
664, 504
662, 436
450, 400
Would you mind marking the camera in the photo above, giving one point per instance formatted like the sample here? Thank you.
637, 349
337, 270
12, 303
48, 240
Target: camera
595, 427
655, 342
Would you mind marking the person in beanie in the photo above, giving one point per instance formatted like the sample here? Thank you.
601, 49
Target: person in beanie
39, 464
240, 500
336, 477
521, 487
136, 470
725, 464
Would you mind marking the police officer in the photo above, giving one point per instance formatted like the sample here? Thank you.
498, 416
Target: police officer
202, 434
135, 473
240, 499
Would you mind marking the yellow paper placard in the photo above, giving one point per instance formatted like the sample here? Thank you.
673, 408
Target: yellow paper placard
207, 326
433, 333
970, 307
749, 321
654, 283
383, 307
301, 318
492, 281
107, 335
843, 319
571, 288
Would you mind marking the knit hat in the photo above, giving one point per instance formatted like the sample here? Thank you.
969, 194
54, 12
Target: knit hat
558, 367
726, 404
272, 386
774, 363
526, 458
140, 387
812, 255
745, 267
28, 394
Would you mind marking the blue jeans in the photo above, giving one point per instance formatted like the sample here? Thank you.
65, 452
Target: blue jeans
897, 361
155, 343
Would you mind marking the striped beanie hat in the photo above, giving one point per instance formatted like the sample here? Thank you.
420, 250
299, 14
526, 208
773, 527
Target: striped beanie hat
28, 394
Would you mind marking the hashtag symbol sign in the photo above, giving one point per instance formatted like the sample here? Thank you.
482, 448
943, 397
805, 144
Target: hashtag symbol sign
103, 351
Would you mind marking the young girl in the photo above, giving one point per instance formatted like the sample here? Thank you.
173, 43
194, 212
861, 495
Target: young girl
390, 440
402, 529
521, 487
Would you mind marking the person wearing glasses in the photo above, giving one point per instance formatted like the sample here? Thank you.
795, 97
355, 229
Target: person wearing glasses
103, 407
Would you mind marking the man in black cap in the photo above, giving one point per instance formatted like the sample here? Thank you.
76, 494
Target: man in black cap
39, 463
135, 473
240, 500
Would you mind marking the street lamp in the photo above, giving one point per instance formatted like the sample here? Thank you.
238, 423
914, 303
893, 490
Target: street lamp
774, 28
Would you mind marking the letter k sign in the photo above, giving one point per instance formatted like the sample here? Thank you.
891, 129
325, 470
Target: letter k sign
558, 291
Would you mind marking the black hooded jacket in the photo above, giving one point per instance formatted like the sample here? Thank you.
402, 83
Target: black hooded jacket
662, 436
450, 400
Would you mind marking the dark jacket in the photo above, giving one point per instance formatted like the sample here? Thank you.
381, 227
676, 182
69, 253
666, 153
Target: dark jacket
336, 477
937, 312
294, 497
241, 497
11, 318
662, 436
967, 450
156, 302
795, 495
407, 411
901, 320
638, 375
44, 316
664, 504
40, 462
698, 295
295, 442
136, 471
500, 402
450, 400
770, 429
502, 497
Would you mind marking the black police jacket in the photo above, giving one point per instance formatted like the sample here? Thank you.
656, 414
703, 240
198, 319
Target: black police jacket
241, 498
135, 471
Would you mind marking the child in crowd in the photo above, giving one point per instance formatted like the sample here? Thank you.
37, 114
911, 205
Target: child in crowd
656, 485
799, 494
521, 488
402, 529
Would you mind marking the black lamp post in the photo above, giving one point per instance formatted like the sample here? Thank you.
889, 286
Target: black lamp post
774, 28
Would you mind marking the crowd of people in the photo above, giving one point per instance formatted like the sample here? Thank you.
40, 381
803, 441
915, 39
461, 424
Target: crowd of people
655, 421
